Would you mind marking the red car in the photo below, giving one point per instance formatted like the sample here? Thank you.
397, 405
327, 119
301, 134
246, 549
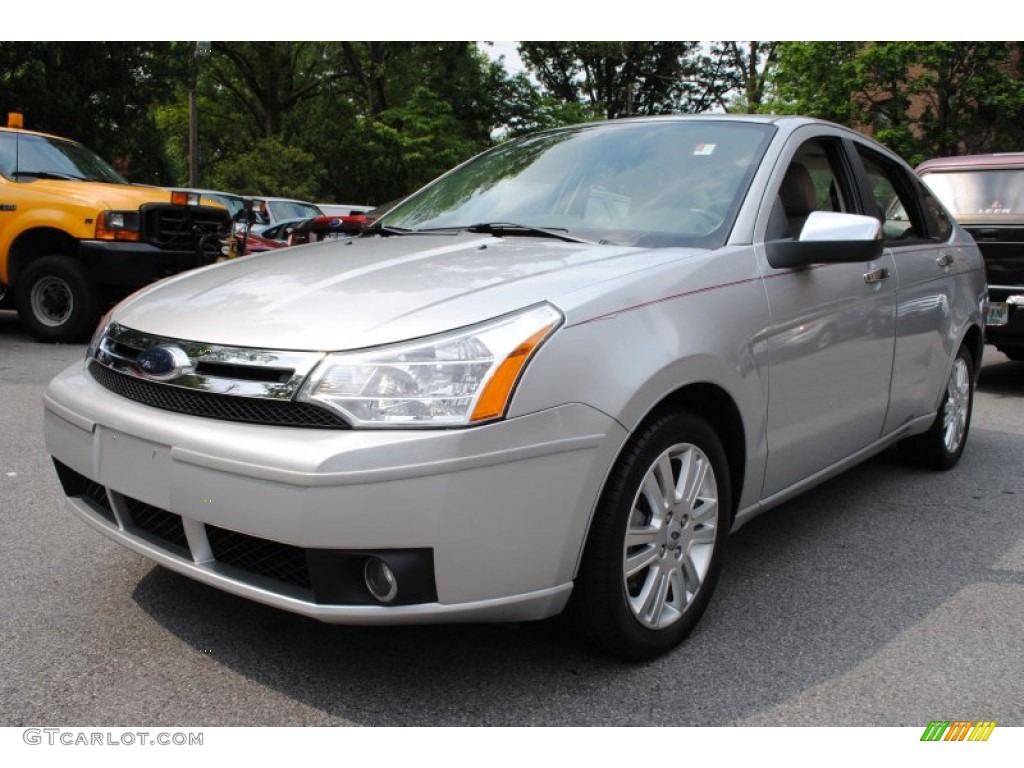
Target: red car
268, 239
327, 228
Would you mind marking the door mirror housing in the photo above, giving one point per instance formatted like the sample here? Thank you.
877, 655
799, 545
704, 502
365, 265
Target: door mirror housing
829, 238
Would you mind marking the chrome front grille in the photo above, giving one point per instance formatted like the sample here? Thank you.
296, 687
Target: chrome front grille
212, 381
280, 413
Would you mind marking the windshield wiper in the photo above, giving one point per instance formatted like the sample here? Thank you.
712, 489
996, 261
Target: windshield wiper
502, 228
48, 175
377, 228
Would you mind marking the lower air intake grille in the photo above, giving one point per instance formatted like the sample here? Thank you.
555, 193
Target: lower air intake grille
281, 562
165, 526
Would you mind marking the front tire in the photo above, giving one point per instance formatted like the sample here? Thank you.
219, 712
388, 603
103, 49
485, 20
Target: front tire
57, 300
656, 544
943, 444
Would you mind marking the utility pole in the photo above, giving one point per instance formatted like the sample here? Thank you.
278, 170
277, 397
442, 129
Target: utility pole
202, 51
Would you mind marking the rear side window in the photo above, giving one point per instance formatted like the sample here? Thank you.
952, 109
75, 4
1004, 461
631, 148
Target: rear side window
938, 219
894, 195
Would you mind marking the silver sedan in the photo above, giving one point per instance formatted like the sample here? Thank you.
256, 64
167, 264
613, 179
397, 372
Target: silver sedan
553, 380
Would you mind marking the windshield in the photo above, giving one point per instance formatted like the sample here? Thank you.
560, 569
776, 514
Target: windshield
645, 183
979, 193
28, 156
233, 203
291, 209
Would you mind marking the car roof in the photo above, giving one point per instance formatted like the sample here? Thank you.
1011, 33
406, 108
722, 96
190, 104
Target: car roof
26, 132
281, 199
209, 192
995, 160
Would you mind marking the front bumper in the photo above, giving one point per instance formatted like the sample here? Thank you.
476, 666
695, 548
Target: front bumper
501, 510
125, 267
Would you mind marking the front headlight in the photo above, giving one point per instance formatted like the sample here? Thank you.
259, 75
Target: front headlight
458, 378
118, 225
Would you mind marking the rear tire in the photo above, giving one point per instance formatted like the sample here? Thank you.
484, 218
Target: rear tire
57, 300
657, 541
943, 444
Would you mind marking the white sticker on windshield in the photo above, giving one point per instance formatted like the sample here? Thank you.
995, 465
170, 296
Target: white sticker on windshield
704, 149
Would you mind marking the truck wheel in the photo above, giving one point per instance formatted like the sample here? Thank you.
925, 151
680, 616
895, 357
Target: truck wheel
57, 300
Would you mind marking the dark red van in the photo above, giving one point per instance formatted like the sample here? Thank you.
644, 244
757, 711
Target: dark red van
985, 193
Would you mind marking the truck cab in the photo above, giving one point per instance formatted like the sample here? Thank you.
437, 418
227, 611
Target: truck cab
75, 236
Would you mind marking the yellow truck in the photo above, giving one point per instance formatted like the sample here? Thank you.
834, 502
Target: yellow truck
75, 236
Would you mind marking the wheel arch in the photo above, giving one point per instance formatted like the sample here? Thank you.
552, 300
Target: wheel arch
974, 340
718, 408
34, 243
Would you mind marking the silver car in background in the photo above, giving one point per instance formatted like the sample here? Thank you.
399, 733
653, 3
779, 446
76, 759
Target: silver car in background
552, 380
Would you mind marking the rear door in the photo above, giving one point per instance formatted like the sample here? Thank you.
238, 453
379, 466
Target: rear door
926, 265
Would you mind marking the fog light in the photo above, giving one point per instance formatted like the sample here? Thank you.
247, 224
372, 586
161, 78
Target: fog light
380, 580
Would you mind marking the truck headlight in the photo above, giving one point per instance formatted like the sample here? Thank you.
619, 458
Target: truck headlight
462, 377
118, 225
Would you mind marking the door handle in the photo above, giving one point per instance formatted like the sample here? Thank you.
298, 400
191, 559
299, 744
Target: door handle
944, 260
876, 275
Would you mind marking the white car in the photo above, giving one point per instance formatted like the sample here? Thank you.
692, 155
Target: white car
269, 211
343, 209
554, 379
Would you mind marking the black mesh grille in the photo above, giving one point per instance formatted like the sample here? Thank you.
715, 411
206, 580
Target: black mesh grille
165, 526
77, 484
281, 562
182, 227
98, 493
284, 413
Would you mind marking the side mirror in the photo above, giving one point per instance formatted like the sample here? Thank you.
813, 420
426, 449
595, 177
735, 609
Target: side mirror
829, 238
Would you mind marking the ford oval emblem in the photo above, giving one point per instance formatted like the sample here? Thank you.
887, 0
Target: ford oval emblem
164, 363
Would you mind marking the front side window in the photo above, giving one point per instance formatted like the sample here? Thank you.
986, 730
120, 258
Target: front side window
815, 180
646, 183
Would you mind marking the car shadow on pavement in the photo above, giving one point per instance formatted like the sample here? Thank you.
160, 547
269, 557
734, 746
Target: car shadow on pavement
1005, 379
808, 592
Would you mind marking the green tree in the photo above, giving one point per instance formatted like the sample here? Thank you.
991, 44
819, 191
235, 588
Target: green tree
922, 99
620, 78
364, 110
738, 73
101, 94
270, 168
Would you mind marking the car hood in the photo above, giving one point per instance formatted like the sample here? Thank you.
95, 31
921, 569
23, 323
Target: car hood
98, 195
369, 291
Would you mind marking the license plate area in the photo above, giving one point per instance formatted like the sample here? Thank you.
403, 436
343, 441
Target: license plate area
134, 467
998, 314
